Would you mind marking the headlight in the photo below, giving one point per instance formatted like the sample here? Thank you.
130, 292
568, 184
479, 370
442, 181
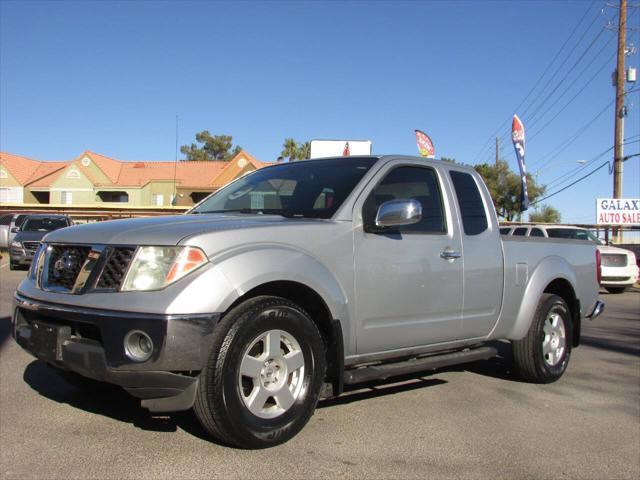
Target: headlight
154, 268
37, 258
16, 244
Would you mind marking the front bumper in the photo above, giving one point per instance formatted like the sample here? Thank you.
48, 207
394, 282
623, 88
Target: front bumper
619, 276
90, 342
18, 256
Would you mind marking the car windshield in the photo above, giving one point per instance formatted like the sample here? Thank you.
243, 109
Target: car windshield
573, 233
310, 188
43, 224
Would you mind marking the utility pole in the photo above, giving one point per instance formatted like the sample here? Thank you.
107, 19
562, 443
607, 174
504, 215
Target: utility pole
497, 149
618, 134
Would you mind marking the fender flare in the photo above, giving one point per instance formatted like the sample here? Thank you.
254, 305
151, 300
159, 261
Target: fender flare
550, 269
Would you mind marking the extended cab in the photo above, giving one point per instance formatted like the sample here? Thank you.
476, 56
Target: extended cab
299, 275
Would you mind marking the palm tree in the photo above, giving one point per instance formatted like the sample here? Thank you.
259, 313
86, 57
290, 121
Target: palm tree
304, 150
289, 149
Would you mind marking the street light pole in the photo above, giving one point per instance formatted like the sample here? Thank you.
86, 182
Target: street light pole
537, 172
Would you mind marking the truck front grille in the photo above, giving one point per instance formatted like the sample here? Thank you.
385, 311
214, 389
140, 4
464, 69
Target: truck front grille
115, 267
614, 260
30, 247
65, 263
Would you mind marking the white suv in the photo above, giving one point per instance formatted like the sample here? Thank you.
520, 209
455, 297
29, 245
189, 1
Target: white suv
619, 268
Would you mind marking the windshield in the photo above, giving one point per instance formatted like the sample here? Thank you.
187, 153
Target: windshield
573, 233
43, 224
310, 188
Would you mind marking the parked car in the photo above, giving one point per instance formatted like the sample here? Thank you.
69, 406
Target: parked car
28, 236
5, 221
619, 267
9, 223
334, 271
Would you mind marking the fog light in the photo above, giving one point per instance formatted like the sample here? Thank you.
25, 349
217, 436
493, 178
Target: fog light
138, 345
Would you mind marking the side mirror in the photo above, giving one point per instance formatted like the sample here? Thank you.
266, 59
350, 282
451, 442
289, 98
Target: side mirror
14, 229
395, 213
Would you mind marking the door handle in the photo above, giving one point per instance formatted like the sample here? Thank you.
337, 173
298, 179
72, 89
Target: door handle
450, 254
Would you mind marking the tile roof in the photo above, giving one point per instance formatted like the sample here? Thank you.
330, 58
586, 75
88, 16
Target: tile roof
193, 174
109, 166
21, 168
44, 174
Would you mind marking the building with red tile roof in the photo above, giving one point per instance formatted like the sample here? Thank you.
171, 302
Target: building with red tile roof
94, 179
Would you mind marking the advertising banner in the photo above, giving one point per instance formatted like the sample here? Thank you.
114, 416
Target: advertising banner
425, 145
337, 148
517, 135
618, 211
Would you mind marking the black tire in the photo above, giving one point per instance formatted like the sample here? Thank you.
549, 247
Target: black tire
219, 404
616, 289
528, 353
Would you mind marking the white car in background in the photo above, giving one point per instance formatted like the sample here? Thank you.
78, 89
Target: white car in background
619, 267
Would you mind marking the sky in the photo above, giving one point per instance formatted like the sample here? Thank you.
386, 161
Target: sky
111, 77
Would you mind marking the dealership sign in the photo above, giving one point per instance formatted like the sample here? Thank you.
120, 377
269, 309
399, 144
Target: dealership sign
618, 211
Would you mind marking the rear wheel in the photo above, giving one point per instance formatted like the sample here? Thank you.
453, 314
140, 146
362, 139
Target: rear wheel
263, 377
543, 354
616, 289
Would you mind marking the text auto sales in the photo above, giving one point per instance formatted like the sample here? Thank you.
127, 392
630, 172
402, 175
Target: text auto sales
619, 211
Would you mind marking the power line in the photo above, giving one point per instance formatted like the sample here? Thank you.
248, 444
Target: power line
566, 143
488, 142
525, 113
573, 183
573, 172
593, 77
532, 115
557, 86
584, 176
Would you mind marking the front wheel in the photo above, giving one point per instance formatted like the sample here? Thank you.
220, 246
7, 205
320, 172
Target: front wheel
263, 377
543, 354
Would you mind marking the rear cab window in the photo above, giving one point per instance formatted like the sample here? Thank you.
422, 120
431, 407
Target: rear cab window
472, 211
520, 232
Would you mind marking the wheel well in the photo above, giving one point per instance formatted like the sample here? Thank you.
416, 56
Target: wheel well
563, 289
310, 301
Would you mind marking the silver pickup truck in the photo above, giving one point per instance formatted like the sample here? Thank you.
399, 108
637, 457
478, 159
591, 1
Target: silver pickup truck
295, 280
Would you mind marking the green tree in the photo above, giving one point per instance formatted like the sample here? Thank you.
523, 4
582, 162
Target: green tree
504, 186
304, 150
294, 150
546, 214
213, 147
289, 149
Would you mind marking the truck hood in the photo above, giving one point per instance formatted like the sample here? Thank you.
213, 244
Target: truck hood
29, 236
166, 230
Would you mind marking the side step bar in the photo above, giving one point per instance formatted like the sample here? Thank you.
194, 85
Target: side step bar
386, 370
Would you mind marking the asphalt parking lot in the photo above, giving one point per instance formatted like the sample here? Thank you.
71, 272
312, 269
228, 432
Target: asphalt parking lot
475, 421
